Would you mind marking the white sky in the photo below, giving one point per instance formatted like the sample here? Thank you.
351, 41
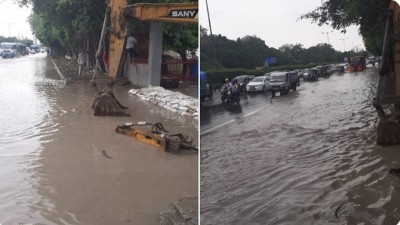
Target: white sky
274, 21
14, 20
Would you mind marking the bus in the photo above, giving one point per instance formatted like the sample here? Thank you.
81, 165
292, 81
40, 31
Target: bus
357, 63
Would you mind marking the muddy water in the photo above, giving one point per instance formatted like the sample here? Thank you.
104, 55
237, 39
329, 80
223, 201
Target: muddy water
308, 158
52, 166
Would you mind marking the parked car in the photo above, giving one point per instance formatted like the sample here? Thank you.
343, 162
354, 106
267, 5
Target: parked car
243, 80
260, 83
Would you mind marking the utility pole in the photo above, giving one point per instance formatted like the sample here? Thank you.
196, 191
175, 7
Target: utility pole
209, 21
327, 34
344, 46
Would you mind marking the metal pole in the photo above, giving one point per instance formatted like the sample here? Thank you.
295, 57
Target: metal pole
209, 21
327, 34
101, 43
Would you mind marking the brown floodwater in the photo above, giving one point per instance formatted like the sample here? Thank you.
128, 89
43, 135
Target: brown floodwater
308, 157
52, 166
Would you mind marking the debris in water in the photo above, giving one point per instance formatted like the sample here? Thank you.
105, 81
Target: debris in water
338, 209
105, 154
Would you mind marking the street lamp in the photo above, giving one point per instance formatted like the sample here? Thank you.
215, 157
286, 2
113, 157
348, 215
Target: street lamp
327, 34
344, 46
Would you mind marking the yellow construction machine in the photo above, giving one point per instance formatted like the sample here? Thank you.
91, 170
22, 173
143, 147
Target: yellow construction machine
115, 26
387, 100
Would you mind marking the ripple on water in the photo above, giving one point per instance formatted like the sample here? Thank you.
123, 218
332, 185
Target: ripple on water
310, 159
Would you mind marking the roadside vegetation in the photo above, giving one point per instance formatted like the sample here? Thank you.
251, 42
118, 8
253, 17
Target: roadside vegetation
69, 25
224, 58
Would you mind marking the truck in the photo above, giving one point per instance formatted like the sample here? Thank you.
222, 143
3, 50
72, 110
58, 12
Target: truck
357, 63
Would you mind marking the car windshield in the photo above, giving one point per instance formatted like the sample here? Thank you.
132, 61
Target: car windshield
277, 77
258, 79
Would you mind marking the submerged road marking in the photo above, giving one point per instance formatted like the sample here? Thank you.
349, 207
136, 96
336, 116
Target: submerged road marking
231, 121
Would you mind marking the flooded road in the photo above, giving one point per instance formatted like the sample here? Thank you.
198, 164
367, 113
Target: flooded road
308, 157
52, 166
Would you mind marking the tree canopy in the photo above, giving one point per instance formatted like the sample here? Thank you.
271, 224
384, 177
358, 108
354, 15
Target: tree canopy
26, 42
249, 52
67, 25
370, 15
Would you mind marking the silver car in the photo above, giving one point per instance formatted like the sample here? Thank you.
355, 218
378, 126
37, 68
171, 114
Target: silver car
260, 83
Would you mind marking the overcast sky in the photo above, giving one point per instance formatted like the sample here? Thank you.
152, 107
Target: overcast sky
13, 20
274, 21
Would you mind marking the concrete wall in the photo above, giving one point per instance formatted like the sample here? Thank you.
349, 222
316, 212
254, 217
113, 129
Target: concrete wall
138, 74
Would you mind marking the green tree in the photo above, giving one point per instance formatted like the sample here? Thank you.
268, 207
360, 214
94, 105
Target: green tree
370, 15
68, 25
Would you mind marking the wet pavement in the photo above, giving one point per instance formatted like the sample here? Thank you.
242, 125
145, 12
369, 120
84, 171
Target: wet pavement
308, 157
53, 153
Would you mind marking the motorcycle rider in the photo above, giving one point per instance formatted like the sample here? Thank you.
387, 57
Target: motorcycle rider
234, 89
234, 86
224, 89
226, 85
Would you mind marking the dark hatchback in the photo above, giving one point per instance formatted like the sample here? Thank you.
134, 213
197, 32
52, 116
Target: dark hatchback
243, 80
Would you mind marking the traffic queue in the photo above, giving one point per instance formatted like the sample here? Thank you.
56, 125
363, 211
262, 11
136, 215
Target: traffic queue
276, 82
